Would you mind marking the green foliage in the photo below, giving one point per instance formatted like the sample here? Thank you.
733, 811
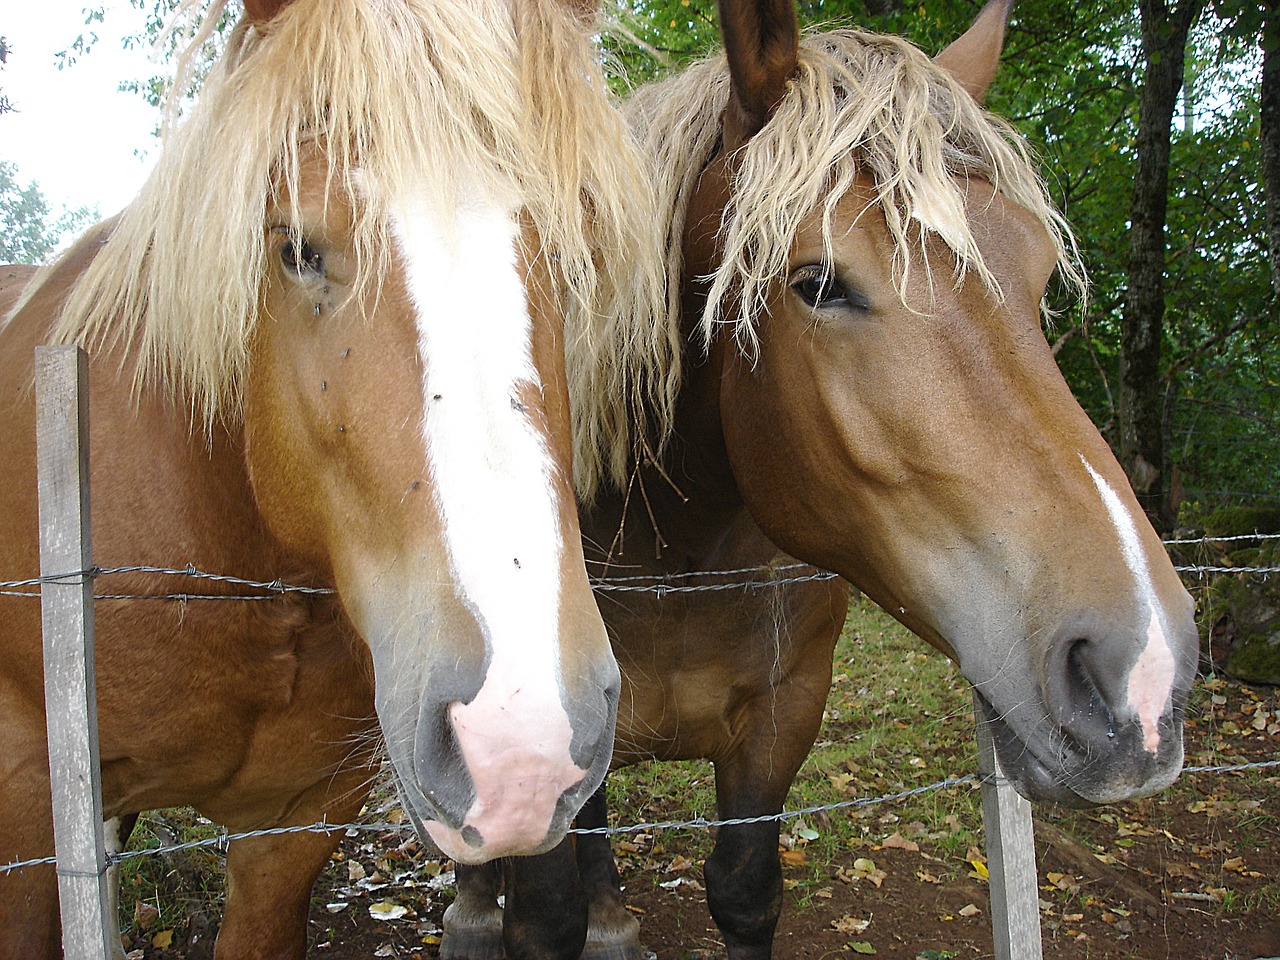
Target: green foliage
29, 230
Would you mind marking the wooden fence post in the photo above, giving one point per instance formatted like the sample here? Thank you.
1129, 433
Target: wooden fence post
1011, 857
62, 452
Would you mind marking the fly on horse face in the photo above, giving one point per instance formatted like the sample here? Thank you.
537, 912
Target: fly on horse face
859, 255
327, 347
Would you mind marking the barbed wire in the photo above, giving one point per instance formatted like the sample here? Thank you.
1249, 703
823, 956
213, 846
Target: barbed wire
275, 588
649, 583
660, 584
1243, 536
222, 841
1261, 570
1222, 568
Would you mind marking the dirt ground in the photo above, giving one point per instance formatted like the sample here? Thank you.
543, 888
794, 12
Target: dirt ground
1193, 875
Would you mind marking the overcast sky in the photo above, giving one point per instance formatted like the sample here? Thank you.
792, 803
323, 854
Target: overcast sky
72, 132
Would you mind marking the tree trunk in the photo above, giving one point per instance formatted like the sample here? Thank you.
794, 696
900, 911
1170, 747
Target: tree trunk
1270, 137
1141, 395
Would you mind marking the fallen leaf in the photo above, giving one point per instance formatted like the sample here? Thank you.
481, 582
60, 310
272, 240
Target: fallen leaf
850, 925
337, 907
898, 842
861, 946
927, 877
163, 940
387, 910
793, 858
145, 915
980, 870
969, 910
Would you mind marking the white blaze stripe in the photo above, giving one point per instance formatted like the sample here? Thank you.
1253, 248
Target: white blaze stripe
1151, 678
491, 476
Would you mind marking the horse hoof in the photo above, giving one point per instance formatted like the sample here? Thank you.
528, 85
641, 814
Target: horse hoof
472, 932
631, 950
618, 938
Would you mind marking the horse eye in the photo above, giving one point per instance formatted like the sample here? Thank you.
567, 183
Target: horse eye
299, 256
818, 287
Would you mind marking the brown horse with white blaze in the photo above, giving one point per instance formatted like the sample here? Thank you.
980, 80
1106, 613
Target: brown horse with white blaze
327, 348
859, 255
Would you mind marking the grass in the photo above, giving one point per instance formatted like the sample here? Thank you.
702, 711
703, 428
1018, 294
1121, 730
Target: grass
163, 892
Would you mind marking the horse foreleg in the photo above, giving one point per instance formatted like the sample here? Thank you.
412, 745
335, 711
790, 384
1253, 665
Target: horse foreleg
744, 888
269, 880
743, 873
29, 925
612, 932
473, 922
545, 917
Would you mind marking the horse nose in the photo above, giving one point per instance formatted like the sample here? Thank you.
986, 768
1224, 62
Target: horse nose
505, 771
1115, 689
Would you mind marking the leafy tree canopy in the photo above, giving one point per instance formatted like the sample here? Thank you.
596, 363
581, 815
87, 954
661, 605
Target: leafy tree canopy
29, 230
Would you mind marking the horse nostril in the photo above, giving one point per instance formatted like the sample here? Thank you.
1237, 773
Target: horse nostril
1082, 708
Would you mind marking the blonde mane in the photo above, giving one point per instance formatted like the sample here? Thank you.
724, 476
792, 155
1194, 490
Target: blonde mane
509, 92
858, 102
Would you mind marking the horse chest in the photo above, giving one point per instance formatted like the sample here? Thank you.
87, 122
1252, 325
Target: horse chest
213, 723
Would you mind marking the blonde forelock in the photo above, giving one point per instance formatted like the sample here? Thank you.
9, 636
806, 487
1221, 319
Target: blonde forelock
858, 103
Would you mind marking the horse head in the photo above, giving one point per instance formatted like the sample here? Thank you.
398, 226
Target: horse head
891, 407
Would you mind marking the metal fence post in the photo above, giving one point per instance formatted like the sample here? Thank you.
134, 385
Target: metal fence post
62, 452
1011, 857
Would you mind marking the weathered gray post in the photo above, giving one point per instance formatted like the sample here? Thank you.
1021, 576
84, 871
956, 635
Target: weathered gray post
1011, 857
62, 453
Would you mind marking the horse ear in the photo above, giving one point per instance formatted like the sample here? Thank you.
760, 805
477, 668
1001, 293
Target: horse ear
761, 40
260, 11
974, 57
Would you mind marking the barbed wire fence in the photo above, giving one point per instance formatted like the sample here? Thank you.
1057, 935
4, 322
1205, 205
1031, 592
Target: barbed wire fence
1015, 911
660, 585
